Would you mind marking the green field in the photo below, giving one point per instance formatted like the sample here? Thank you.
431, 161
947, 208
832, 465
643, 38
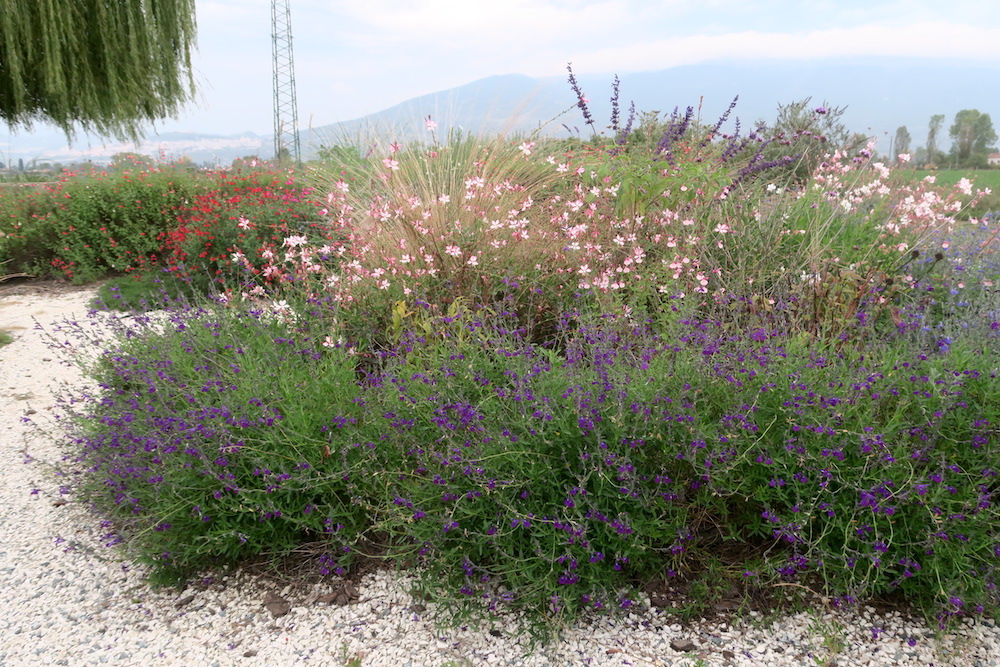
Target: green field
983, 178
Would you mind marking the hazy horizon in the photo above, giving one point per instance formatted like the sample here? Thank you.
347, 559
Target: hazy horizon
353, 59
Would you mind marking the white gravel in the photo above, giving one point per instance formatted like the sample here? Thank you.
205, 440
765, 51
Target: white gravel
65, 599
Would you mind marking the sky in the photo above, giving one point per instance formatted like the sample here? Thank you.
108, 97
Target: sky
354, 57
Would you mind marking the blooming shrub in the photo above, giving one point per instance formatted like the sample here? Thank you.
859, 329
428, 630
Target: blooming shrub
232, 230
553, 481
547, 376
251, 462
91, 223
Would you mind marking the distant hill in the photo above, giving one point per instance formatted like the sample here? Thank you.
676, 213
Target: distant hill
880, 95
51, 147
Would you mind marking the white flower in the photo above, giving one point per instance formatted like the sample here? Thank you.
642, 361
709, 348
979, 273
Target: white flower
295, 241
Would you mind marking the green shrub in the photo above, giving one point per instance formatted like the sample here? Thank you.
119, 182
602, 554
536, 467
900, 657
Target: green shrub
91, 224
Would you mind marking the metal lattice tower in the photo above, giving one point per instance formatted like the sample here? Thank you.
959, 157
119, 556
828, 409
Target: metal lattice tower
286, 114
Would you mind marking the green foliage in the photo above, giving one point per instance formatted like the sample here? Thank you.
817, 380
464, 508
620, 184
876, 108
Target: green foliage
107, 67
551, 481
446, 222
806, 133
934, 154
245, 467
900, 142
148, 290
220, 235
972, 135
93, 223
660, 365
25, 241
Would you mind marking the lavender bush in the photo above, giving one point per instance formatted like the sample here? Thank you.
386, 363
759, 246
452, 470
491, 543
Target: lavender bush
574, 391
557, 481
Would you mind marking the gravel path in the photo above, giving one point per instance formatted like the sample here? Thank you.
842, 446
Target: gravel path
67, 600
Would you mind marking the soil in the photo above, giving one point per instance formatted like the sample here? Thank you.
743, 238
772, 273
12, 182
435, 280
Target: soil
38, 287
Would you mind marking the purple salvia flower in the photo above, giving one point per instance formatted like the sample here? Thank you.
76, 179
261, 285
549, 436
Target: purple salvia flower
676, 129
627, 130
614, 104
581, 100
718, 124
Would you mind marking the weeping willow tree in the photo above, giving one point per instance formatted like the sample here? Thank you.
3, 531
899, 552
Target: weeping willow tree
106, 66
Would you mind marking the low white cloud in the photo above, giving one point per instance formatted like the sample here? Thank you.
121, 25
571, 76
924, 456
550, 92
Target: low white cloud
936, 40
479, 26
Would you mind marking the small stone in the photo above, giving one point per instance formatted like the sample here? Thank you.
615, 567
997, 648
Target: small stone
683, 645
277, 605
184, 600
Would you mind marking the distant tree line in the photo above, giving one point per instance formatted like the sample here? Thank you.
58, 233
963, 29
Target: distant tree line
972, 135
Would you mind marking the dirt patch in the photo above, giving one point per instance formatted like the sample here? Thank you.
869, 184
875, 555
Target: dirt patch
36, 287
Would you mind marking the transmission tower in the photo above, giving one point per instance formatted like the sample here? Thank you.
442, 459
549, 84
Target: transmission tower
286, 115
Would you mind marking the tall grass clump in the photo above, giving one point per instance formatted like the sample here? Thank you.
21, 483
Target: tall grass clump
469, 220
552, 376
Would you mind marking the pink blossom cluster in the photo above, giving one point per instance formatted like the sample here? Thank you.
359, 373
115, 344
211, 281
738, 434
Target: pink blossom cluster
560, 226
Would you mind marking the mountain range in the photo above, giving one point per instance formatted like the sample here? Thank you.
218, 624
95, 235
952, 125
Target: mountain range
879, 94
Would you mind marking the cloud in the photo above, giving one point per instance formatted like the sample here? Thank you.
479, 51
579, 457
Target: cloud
926, 39
478, 26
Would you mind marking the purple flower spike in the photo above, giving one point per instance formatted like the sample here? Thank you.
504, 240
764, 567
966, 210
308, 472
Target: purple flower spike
581, 99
